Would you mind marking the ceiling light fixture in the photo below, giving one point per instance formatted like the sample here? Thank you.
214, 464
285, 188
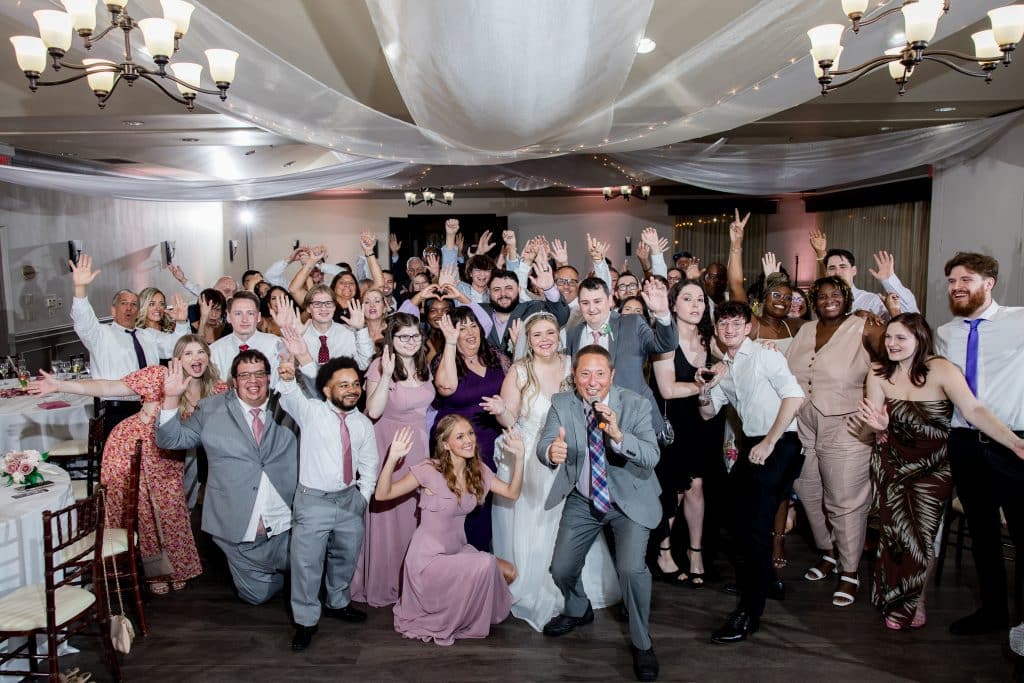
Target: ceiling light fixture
627, 191
944, 110
161, 38
428, 195
645, 46
920, 22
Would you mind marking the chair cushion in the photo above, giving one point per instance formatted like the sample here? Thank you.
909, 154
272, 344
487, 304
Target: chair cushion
25, 608
70, 447
115, 542
80, 488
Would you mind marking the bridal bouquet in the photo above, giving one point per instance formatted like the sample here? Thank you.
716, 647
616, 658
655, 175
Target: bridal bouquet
22, 467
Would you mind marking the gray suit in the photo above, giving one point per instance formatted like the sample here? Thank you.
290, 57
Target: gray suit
236, 465
522, 311
634, 492
632, 342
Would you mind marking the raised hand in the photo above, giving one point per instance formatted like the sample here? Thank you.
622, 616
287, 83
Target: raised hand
656, 297
451, 227
387, 362
82, 275
286, 367
484, 244
433, 262
285, 318
737, 227
515, 328
175, 381
875, 418
296, 254
884, 266
649, 236
401, 444
509, 238
355, 319
560, 252
493, 405
460, 242
819, 243
596, 249
448, 329
46, 384
367, 242
693, 269
294, 342
393, 244
449, 275
512, 444
529, 251
205, 307
770, 264
176, 272
178, 308
559, 449
542, 275
643, 253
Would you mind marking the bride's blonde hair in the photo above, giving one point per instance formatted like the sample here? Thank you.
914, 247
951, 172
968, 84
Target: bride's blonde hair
531, 387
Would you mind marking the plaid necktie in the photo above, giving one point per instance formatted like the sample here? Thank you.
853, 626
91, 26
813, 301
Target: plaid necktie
599, 493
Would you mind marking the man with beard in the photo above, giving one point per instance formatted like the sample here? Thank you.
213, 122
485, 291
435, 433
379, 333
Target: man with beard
505, 306
337, 476
714, 282
984, 340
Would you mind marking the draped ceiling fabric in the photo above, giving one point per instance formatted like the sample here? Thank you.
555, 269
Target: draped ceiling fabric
535, 94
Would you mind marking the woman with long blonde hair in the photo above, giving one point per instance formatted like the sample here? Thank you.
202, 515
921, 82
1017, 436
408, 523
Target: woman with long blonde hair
153, 311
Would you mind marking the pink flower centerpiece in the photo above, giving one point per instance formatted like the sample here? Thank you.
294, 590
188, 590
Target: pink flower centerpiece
22, 467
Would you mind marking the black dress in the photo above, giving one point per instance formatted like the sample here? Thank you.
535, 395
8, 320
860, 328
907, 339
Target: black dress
697, 448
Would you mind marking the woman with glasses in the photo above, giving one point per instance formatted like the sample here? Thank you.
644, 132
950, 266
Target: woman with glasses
399, 391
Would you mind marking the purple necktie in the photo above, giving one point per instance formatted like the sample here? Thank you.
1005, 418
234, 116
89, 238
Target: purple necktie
971, 367
140, 355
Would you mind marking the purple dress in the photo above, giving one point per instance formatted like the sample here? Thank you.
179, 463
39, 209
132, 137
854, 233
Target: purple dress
450, 589
466, 402
390, 524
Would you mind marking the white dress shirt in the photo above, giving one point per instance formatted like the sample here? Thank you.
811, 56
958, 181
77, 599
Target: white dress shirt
342, 340
320, 453
1000, 360
224, 350
864, 300
110, 347
757, 381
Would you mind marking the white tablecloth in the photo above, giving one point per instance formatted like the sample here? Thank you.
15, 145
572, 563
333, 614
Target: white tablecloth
23, 424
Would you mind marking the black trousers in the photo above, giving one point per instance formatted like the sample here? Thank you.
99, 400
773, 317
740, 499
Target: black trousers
989, 477
760, 489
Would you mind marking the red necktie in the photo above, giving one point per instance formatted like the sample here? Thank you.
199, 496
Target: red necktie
257, 425
243, 347
346, 451
324, 354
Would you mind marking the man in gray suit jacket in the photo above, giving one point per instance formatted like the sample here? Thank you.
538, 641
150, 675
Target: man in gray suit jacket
628, 338
505, 307
252, 448
601, 439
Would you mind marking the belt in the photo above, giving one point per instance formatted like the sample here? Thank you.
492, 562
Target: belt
981, 436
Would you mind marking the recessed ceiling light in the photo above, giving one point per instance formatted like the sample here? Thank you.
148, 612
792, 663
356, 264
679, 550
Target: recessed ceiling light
645, 45
133, 123
943, 110
69, 154
885, 128
190, 139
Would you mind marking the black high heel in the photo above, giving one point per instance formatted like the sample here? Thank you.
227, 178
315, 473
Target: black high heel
669, 577
695, 580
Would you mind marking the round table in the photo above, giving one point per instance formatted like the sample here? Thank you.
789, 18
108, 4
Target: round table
21, 530
24, 425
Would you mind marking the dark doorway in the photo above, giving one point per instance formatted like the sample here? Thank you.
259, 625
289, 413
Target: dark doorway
419, 231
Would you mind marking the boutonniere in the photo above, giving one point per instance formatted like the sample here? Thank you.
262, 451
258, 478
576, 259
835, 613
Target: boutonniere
607, 329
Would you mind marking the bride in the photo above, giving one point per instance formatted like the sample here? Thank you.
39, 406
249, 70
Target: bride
524, 532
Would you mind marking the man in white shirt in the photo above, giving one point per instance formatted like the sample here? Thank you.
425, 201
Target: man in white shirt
841, 263
326, 339
758, 384
244, 315
119, 348
251, 445
984, 340
337, 476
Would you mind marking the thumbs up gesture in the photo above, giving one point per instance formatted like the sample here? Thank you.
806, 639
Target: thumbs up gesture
559, 449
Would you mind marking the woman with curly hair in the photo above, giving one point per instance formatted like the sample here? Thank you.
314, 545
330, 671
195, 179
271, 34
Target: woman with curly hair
831, 358
467, 371
450, 589
399, 391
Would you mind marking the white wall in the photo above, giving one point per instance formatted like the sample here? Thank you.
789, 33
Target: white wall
122, 236
979, 206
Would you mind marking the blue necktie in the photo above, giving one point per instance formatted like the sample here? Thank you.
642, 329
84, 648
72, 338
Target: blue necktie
599, 493
971, 367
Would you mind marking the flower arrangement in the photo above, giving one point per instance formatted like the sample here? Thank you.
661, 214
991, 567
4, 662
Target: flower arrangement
22, 467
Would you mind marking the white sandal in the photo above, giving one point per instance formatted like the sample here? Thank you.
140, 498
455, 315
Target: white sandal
815, 574
843, 599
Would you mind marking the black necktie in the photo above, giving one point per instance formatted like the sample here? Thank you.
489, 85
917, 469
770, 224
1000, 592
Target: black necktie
139, 353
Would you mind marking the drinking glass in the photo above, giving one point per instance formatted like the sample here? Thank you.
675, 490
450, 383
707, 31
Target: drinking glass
77, 365
23, 373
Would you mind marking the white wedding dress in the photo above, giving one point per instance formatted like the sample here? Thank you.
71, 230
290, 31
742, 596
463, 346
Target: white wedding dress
524, 532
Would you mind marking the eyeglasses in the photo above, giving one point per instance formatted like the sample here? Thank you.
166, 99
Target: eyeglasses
321, 304
779, 296
565, 281
244, 376
408, 338
628, 288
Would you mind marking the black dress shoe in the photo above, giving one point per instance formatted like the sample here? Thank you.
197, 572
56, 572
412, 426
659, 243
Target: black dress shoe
645, 664
303, 637
562, 624
621, 613
732, 588
737, 627
776, 590
347, 613
978, 623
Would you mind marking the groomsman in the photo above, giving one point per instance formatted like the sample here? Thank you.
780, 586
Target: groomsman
244, 316
337, 476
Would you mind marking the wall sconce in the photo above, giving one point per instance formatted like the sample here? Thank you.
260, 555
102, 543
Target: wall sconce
232, 250
629, 245
295, 245
627, 191
75, 249
169, 247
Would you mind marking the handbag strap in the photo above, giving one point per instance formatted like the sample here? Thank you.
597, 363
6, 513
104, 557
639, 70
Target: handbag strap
106, 585
152, 504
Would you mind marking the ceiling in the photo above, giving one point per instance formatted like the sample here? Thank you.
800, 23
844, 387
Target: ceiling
335, 42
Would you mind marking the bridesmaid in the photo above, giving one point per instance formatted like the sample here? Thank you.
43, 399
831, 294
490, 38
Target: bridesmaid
909, 399
450, 589
466, 372
398, 393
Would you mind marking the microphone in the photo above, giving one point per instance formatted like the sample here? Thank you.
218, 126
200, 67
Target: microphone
601, 424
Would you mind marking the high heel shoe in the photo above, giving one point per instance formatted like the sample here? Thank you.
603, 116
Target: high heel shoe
668, 576
695, 580
779, 550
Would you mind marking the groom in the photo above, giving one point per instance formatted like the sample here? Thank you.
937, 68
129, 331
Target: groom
602, 438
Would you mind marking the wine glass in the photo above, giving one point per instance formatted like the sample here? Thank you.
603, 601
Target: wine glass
5, 370
23, 373
77, 365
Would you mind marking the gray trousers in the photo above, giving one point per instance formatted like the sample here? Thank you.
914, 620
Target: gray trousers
577, 531
325, 525
258, 567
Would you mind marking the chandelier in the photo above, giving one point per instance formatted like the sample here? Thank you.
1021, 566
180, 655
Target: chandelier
161, 37
991, 47
627, 191
429, 195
